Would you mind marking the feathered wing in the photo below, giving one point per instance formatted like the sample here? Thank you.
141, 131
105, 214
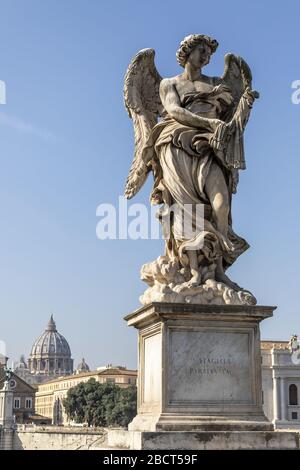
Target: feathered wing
142, 101
237, 75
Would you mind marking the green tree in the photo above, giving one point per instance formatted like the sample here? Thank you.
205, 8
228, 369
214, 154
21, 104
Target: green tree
75, 402
101, 404
125, 407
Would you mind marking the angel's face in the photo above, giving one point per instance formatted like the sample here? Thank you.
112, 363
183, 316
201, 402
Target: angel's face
200, 55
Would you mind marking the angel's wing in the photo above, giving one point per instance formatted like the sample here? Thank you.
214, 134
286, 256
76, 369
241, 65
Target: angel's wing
142, 101
237, 75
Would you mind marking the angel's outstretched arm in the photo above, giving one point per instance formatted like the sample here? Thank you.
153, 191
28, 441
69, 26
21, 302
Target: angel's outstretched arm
172, 105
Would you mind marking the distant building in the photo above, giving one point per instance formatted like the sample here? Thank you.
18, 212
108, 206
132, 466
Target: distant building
281, 384
3, 360
50, 395
23, 397
21, 370
82, 367
50, 356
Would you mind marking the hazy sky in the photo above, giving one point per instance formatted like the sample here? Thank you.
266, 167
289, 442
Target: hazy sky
66, 144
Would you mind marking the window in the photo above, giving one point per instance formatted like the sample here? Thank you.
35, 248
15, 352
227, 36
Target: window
293, 394
294, 415
110, 380
28, 403
17, 403
262, 397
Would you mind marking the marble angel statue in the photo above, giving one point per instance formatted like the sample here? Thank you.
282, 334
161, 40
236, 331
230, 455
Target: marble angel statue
189, 134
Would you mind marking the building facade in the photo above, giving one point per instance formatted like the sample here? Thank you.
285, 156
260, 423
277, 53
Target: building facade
50, 395
23, 397
281, 384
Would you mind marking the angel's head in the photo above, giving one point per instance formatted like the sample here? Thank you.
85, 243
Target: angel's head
197, 49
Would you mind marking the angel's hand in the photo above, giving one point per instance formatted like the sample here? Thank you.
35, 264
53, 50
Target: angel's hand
250, 95
215, 123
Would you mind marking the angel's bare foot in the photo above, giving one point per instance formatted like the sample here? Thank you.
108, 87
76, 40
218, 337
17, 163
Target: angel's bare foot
222, 277
195, 279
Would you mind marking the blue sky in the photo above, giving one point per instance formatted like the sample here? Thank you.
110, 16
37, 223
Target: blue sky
66, 145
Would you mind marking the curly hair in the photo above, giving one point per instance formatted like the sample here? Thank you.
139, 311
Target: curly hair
188, 44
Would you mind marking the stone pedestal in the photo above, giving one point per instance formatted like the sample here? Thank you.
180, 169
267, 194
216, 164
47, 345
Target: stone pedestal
202, 440
199, 368
6, 407
6, 418
199, 380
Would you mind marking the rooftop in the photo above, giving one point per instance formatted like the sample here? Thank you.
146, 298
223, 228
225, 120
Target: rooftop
93, 373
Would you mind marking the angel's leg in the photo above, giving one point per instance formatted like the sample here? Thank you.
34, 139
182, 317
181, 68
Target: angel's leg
194, 267
217, 192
